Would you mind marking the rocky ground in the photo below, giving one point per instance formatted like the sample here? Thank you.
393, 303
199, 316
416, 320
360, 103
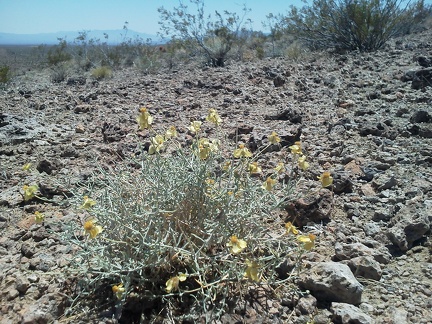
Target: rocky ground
365, 117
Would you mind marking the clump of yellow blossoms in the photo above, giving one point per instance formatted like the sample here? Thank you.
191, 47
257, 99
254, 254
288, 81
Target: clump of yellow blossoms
236, 245
302, 163
29, 191
307, 240
269, 184
171, 133
254, 168
144, 119
296, 148
92, 229
118, 290
156, 144
252, 271
213, 117
39, 217
326, 179
26, 166
280, 168
195, 126
290, 228
172, 284
88, 203
242, 151
274, 138
205, 147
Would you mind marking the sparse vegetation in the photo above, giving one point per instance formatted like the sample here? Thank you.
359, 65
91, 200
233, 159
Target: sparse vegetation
58, 53
364, 25
213, 37
4, 74
101, 72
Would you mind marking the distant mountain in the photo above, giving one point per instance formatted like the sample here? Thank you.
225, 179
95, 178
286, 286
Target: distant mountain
114, 37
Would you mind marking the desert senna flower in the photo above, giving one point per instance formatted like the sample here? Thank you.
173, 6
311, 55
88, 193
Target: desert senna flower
205, 147
302, 163
195, 126
156, 145
296, 148
269, 184
39, 217
92, 229
290, 228
274, 138
172, 283
236, 245
307, 240
88, 203
254, 168
26, 167
242, 151
214, 117
171, 133
280, 168
118, 290
326, 179
252, 271
144, 119
30, 191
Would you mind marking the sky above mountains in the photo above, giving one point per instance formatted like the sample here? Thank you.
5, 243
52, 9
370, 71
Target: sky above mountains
50, 16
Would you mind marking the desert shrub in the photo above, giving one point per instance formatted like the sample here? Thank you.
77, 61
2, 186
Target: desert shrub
192, 225
213, 37
58, 53
364, 25
4, 74
58, 73
101, 72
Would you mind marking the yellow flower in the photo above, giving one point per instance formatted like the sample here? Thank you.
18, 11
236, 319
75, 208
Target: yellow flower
195, 126
144, 119
213, 117
296, 148
39, 217
302, 163
205, 147
156, 144
274, 138
307, 240
92, 229
290, 228
252, 271
88, 203
29, 191
280, 168
254, 168
269, 184
326, 179
236, 245
26, 167
171, 133
226, 165
118, 290
172, 284
242, 151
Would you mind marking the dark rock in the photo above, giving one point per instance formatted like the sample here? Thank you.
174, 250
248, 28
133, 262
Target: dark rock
421, 116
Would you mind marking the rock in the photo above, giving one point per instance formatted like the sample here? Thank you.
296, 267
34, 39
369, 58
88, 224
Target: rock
22, 284
312, 208
331, 281
365, 267
384, 181
348, 314
421, 116
409, 225
307, 304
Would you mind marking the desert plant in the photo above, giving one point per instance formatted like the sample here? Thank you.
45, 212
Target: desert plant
101, 72
214, 37
4, 74
58, 53
364, 25
187, 221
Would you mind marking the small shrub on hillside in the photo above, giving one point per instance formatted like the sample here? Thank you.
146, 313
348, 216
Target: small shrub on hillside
58, 73
192, 225
58, 53
4, 74
364, 25
101, 72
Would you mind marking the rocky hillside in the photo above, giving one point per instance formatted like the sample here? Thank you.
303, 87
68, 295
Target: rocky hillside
365, 117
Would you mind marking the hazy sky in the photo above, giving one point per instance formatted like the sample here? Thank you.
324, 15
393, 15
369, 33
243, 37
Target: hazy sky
45, 16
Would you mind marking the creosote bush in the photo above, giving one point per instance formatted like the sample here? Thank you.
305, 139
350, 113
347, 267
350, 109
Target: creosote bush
4, 74
101, 72
196, 220
364, 25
